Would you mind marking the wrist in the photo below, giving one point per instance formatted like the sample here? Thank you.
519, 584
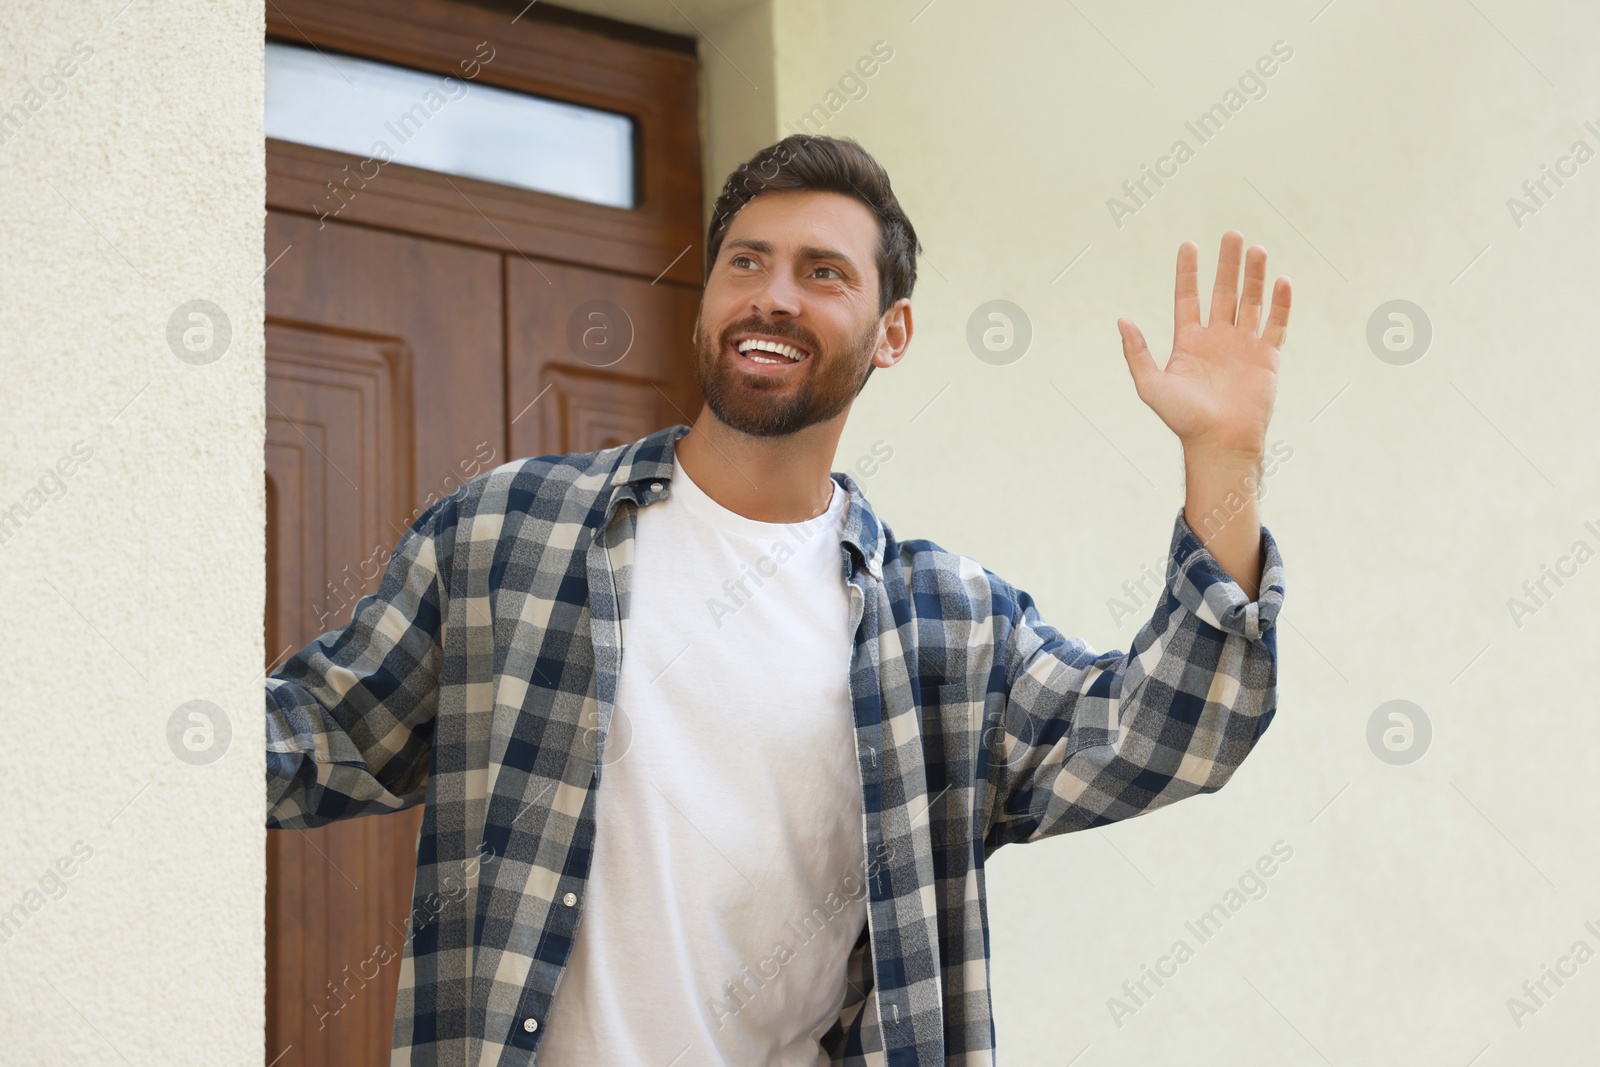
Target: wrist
1223, 457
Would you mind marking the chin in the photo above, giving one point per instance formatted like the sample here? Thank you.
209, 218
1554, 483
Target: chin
768, 423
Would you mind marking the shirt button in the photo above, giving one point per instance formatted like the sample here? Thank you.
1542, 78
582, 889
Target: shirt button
570, 899
530, 1024
655, 487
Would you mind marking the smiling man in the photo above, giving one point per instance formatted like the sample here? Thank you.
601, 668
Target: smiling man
712, 760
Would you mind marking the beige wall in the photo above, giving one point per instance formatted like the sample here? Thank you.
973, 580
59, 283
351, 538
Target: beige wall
1376, 167
131, 520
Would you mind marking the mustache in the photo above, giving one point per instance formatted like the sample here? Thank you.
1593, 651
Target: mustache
773, 329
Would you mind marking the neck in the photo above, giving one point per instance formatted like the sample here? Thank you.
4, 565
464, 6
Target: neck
768, 479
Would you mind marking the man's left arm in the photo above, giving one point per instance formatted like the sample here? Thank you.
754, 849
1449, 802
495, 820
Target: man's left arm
1089, 739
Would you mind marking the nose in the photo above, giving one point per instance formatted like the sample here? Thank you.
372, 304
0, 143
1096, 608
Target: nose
779, 297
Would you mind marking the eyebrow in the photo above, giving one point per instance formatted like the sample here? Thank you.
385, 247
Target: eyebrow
807, 252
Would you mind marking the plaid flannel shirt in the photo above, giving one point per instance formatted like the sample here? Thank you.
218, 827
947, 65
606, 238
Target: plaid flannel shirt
481, 679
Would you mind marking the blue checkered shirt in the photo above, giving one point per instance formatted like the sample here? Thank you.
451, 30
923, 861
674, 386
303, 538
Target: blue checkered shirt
481, 679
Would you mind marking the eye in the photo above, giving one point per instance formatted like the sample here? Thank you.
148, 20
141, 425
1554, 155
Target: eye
736, 260
835, 270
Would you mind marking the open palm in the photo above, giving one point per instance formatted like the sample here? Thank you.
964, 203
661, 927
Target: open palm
1217, 389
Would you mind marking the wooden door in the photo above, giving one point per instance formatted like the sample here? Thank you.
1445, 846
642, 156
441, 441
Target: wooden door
438, 327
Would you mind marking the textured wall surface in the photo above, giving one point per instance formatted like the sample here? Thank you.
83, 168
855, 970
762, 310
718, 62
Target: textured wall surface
131, 526
1419, 492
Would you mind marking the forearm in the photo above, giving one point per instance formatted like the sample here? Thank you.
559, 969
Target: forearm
1220, 506
318, 772
1173, 716
349, 717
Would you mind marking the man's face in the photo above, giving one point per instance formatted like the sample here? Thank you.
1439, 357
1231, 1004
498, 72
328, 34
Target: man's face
798, 269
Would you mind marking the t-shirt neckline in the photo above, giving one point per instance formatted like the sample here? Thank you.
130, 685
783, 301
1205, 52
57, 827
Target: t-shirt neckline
699, 503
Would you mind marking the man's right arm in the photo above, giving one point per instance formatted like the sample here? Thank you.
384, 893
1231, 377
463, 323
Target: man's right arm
350, 716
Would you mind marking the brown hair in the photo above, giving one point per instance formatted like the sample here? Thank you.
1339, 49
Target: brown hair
825, 164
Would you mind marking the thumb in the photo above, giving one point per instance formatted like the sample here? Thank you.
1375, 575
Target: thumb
1140, 363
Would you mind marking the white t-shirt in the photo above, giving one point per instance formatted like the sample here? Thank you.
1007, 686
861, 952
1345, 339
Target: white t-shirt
728, 882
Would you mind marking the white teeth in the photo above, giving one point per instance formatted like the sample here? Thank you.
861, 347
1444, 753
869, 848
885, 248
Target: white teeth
789, 352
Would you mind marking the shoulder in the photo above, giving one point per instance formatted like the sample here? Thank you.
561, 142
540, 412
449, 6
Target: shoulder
961, 617
949, 585
524, 485
536, 494
571, 487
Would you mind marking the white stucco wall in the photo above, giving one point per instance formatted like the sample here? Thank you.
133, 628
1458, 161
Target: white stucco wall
131, 533
1418, 898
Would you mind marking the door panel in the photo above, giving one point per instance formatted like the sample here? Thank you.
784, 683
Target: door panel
441, 300
332, 393
596, 359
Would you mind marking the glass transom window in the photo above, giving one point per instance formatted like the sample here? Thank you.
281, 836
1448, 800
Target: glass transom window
451, 124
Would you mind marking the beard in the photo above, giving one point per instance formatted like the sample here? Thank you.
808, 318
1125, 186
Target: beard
763, 407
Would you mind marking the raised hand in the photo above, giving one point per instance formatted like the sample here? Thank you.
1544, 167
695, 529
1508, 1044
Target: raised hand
1217, 389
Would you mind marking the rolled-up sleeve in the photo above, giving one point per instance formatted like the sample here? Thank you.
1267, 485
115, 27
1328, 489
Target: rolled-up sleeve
350, 716
1085, 738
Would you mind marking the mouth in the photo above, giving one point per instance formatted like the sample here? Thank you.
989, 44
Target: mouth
767, 355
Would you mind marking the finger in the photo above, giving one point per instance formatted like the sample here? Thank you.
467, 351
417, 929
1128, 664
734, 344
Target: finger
1186, 310
1140, 363
1278, 317
1255, 280
1225, 292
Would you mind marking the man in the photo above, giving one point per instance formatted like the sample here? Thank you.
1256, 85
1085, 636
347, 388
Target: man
693, 692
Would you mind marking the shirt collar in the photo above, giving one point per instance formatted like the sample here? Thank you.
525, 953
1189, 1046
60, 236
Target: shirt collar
645, 471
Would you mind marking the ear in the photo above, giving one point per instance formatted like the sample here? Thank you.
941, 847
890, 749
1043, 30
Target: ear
897, 330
